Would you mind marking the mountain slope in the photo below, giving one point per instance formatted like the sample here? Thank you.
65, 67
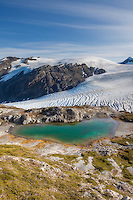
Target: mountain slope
55, 171
5, 65
129, 60
32, 77
113, 89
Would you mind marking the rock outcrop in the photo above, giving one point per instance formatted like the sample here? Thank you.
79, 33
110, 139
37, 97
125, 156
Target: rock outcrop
66, 172
129, 60
42, 80
55, 114
5, 65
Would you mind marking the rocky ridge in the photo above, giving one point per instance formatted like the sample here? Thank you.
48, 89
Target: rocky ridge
54, 114
129, 60
11, 116
16, 116
100, 171
5, 65
41, 80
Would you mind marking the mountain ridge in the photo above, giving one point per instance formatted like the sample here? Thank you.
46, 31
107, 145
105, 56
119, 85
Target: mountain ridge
129, 60
44, 82
29, 78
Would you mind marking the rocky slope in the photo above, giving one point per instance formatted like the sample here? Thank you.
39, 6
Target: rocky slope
113, 88
35, 169
39, 170
57, 114
129, 60
5, 65
10, 116
21, 81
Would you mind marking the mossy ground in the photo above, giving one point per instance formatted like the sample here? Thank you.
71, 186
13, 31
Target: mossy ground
99, 162
26, 180
123, 141
126, 117
21, 179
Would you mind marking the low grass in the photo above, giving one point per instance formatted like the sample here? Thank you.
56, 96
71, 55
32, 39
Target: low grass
126, 117
14, 150
91, 180
126, 155
66, 158
99, 162
127, 174
125, 159
25, 180
123, 141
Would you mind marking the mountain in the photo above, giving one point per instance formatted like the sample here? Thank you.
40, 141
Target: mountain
33, 77
39, 82
5, 65
129, 60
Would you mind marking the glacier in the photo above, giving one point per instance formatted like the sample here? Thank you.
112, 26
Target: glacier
113, 88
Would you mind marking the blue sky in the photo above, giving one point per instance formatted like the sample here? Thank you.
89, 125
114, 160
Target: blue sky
66, 28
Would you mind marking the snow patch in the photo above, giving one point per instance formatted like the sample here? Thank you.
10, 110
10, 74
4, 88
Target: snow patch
83, 72
4, 59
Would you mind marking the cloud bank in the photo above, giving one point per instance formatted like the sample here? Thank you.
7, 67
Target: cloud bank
68, 50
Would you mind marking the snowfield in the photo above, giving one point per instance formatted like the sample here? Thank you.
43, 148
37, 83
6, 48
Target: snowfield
113, 89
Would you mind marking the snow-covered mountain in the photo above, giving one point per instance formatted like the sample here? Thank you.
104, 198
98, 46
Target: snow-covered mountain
34, 77
113, 88
26, 65
129, 60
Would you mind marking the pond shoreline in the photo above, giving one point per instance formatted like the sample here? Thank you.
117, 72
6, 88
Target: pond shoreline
8, 138
69, 133
11, 117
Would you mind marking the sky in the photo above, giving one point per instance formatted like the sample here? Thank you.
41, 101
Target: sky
66, 28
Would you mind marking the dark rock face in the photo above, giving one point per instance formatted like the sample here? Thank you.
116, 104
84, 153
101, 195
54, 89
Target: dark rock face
50, 111
5, 65
43, 80
99, 71
70, 114
27, 59
128, 60
54, 114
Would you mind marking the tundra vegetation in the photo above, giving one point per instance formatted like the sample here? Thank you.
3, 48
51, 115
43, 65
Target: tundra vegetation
104, 170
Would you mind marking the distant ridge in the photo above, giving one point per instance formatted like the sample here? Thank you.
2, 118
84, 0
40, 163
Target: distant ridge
129, 60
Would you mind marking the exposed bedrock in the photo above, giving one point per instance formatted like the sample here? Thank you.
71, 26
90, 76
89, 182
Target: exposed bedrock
43, 80
5, 65
55, 114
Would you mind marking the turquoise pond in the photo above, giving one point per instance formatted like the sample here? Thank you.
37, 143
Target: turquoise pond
70, 133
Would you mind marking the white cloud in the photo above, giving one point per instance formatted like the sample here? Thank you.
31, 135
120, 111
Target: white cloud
73, 26
118, 26
111, 22
69, 50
